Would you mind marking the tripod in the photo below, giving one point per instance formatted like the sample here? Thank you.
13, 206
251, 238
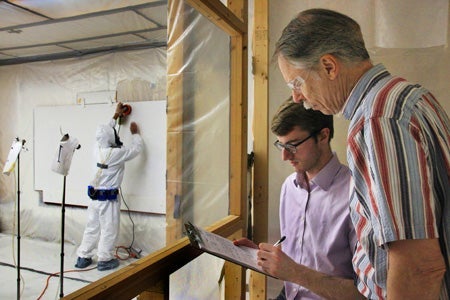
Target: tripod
13, 157
63, 211
18, 226
61, 165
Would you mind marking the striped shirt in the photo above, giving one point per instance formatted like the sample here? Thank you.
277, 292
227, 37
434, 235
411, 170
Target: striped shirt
399, 155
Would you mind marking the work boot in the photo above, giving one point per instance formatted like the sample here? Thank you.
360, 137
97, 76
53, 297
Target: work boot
107, 265
83, 262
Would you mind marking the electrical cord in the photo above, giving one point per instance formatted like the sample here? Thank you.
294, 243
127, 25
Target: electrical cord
51, 275
130, 251
56, 274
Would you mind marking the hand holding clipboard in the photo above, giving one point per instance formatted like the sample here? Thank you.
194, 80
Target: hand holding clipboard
223, 248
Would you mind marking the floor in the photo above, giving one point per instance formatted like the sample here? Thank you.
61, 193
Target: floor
40, 265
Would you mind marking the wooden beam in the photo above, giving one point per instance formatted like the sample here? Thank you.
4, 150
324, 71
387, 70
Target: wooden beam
238, 130
260, 121
257, 285
258, 282
175, 121
234, 281
149, 271
159, 291
139, 276
146, 274
220, 15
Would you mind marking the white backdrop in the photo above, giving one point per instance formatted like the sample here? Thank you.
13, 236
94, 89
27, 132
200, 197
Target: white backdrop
143, 186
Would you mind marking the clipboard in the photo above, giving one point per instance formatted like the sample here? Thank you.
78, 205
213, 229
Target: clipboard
223, 248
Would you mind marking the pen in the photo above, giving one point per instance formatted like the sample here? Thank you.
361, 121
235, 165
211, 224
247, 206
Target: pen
280, 241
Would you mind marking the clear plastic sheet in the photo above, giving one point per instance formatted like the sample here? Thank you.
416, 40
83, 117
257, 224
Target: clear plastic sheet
204, 121
204, 127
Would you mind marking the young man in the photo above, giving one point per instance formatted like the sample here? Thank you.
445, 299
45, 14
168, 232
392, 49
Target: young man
315, 259
398, 152
103, 223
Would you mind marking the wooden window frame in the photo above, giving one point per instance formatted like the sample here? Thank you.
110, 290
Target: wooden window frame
148, 277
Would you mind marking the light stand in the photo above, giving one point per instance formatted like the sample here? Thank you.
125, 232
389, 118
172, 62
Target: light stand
18, 226
61, 165
13, 157
63, 211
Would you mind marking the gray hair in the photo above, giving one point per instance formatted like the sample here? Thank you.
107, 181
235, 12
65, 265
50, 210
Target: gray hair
316, 32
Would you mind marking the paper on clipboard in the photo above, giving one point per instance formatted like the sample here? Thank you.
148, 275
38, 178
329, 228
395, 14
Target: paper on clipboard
221, 247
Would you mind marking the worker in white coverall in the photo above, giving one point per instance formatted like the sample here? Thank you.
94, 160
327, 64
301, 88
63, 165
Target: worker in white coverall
104, 207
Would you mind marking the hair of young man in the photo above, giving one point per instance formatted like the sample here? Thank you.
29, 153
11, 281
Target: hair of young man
291, 114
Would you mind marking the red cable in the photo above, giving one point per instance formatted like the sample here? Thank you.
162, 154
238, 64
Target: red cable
54, 274
130, 253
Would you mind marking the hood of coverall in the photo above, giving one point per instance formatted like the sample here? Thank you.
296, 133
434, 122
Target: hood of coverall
105, 136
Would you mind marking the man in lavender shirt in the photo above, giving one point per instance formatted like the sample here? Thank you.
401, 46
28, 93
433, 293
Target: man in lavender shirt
315, 259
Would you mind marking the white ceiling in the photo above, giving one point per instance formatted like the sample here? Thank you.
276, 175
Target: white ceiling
36, 30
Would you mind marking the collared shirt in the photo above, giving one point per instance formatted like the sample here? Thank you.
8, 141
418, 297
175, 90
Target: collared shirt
317, 224
399, 155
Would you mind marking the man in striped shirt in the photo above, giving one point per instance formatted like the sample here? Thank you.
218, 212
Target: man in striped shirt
398, 152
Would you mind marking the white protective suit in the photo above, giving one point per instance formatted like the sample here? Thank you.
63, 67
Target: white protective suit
104, 216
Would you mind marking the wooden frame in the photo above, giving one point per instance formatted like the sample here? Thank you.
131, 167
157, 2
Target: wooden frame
148, 277
260, 38
151, 272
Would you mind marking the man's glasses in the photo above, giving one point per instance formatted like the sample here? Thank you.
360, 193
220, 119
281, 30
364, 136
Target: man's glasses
296, 84
292, 147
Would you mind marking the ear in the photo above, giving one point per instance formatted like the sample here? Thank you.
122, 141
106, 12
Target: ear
330, 65
324, 134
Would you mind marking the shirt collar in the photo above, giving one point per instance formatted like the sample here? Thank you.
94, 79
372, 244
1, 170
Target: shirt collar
301, 180
323, 179
362, 87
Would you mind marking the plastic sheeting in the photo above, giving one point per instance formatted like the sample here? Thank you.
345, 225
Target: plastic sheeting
397, 23
26, 86
49, 29
204, 115
205, 111
385, 23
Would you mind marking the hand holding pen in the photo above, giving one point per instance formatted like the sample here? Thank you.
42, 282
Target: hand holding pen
279, 241
268, 257
274, 261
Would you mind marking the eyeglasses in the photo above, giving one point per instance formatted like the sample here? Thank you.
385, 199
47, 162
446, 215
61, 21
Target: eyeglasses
296, 84
292, 147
